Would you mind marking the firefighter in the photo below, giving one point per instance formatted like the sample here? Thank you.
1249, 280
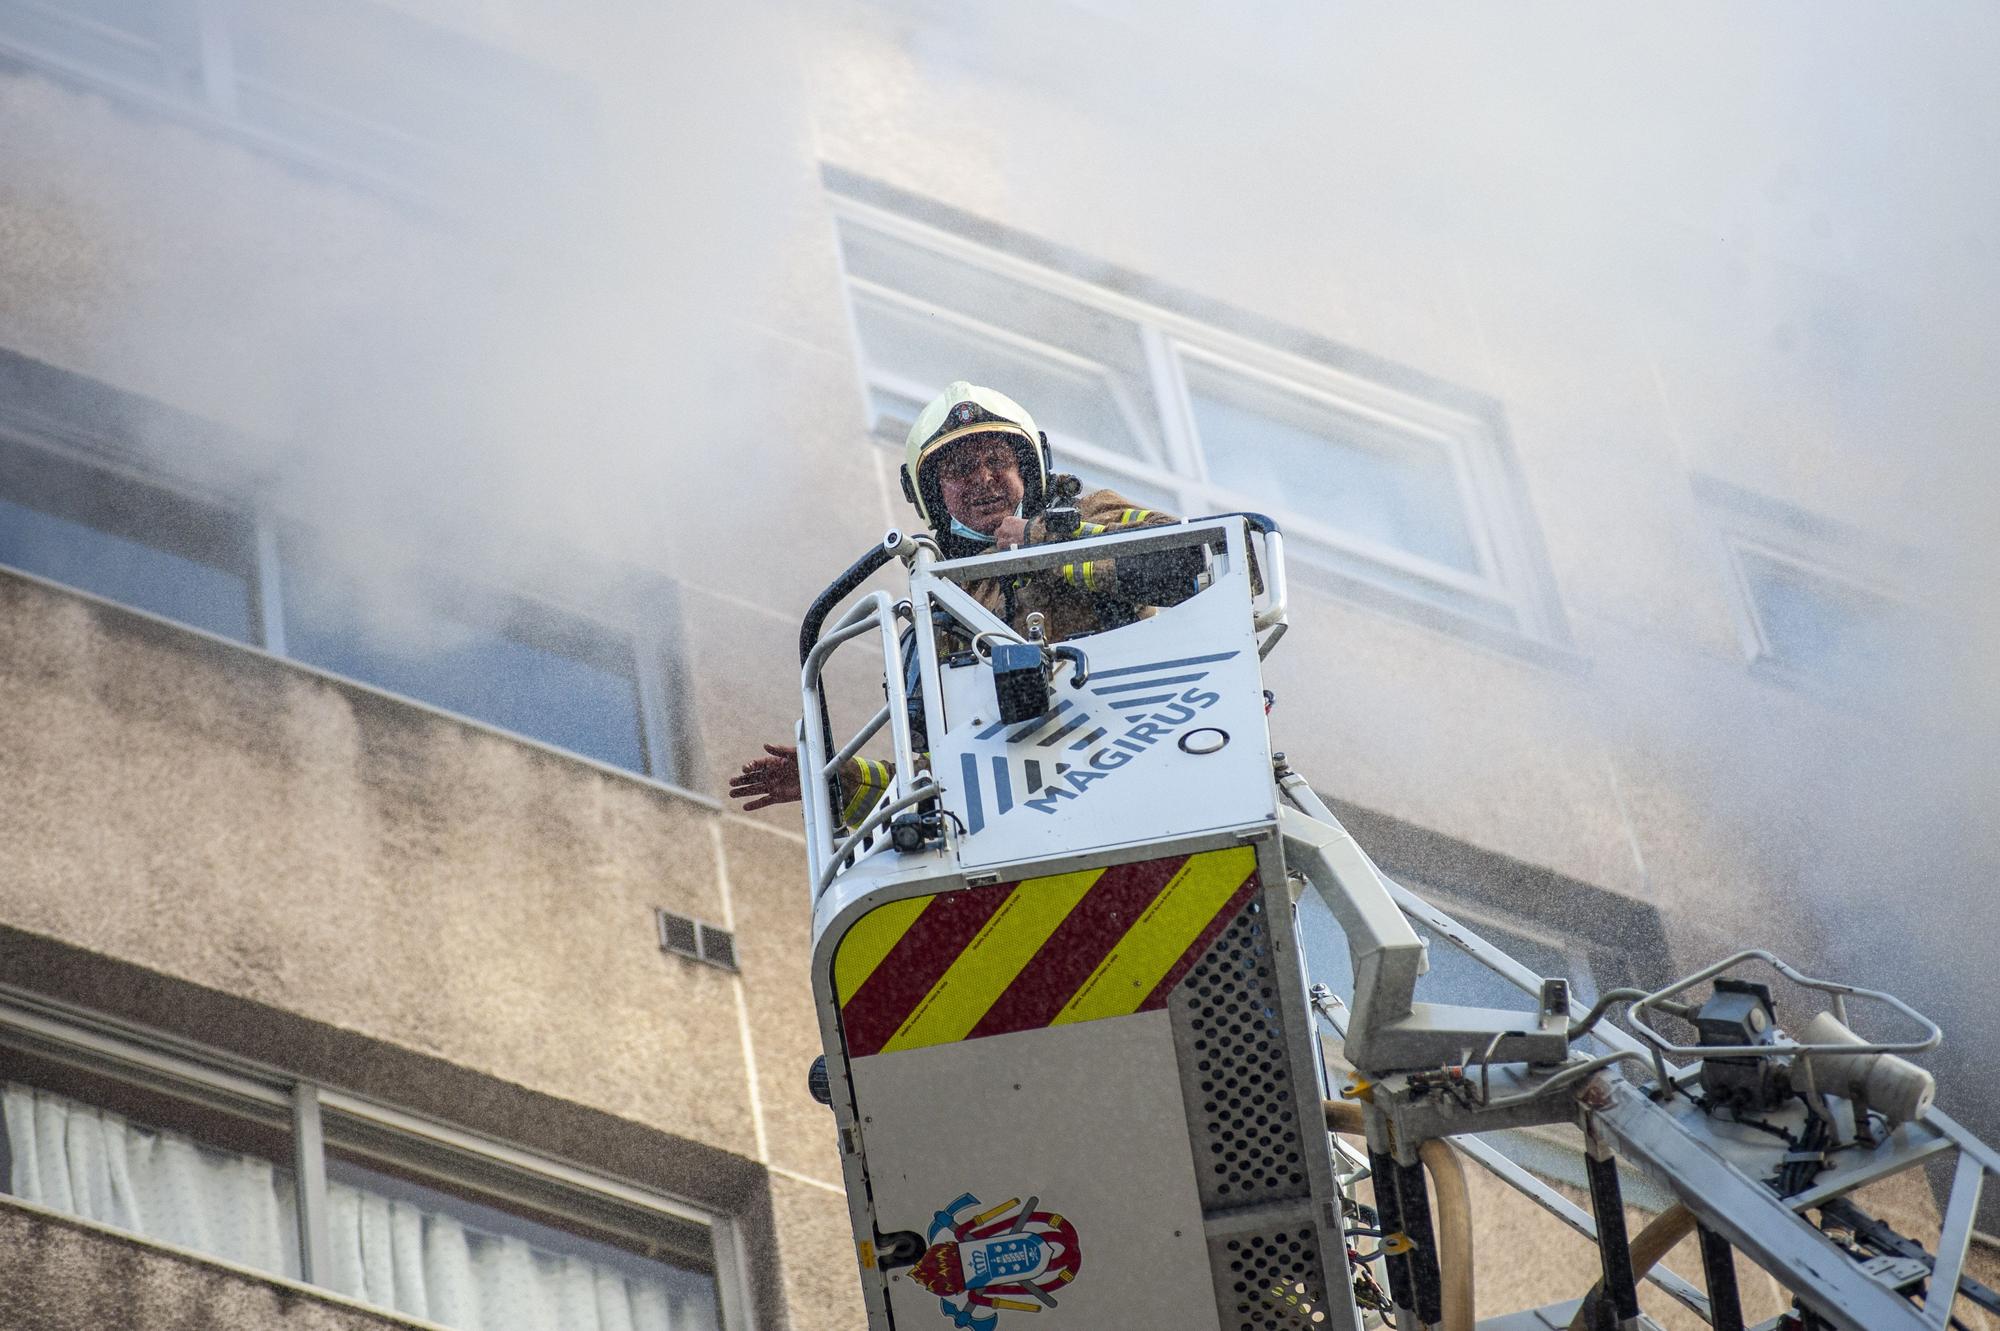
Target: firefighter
979, 474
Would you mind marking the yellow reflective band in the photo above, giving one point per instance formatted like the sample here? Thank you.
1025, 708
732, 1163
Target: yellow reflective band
1001, 949
1161, 934
868, 787
1080, 576
864, 946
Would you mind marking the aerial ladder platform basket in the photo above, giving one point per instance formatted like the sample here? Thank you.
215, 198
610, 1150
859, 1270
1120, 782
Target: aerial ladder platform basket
1073, 1054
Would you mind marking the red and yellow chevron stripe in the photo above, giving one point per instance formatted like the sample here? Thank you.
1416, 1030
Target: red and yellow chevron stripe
1083, 946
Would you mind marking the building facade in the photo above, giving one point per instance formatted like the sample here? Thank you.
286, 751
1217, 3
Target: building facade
423, 423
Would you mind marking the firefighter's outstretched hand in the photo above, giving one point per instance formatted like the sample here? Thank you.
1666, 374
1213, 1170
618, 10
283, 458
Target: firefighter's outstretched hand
767, 781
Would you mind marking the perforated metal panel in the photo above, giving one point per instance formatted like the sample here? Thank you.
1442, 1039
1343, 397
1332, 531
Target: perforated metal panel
1241, 1107
1270, 1281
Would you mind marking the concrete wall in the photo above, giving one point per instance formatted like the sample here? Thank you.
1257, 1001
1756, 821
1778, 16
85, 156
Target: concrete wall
353, 888
60, 1275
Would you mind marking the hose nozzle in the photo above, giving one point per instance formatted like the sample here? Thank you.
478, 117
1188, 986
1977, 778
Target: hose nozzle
1894, 1087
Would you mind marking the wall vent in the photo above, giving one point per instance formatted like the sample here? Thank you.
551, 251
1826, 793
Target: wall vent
695, 940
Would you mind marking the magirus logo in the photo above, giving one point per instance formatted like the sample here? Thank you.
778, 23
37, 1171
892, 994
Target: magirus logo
1123, 713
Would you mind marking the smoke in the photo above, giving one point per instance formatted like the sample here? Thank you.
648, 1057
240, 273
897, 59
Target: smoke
1752, 244
536, 374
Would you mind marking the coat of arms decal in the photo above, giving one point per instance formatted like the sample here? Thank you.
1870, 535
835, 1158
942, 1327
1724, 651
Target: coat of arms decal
1009, 1257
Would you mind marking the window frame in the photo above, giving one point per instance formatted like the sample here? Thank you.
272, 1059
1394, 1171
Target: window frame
665, 723
1512, 580
224, 1083
904, 387
663, 735
120, 471
206, 94
1744, 522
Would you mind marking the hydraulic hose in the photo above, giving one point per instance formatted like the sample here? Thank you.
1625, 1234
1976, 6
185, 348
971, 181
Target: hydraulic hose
1649, 1245
1454, 1212
839, 589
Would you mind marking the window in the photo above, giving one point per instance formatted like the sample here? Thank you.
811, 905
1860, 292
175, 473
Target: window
399, 1243
1392, 494
77, 508
126, 541
106, 1125
350, 85
520, 665
1817, 624
223, 1192
1811, 597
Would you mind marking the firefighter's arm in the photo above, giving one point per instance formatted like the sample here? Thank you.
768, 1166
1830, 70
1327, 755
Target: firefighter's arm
774, 779
862, 782
1154, 576
1102, 512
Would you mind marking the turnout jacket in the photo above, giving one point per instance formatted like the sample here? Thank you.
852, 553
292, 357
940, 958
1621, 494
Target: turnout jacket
1066, 596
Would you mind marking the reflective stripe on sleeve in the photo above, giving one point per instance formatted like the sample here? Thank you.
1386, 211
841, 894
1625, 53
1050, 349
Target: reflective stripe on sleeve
868, 780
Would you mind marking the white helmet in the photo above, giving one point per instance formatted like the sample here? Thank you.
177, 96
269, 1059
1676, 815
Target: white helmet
967, 411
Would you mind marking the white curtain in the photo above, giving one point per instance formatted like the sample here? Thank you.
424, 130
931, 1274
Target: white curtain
89, 1162
429, 1264
391, 1252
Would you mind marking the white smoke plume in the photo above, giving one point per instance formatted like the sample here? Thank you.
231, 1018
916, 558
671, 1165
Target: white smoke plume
1754, 244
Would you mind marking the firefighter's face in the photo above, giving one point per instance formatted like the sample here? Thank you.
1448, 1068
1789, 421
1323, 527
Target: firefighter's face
980, 480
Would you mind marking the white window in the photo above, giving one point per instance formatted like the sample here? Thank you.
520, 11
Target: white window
1393, 494
1816, 603
346, 84
303, 1182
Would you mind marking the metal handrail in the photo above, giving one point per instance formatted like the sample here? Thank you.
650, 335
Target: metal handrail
853, 746
876, 611
820, 758
1275, 614
1663, 1048
885, 809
